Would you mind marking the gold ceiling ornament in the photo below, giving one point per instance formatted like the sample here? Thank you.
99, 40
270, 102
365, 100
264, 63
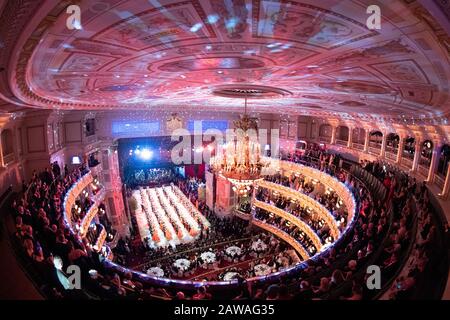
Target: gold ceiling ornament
239, 160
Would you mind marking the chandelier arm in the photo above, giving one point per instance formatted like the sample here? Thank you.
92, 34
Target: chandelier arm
245, 105
243, 171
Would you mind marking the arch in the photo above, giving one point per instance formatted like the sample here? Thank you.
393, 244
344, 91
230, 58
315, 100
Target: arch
325, 132
426, 152
7, 142
375, 139
392, 142
409, 147
359, 136
444, 161
342, 133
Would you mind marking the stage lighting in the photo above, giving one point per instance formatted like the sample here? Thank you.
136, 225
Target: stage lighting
137, 151
76, 160
146, 154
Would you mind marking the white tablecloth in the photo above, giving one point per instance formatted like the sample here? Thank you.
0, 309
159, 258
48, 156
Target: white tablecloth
208, 257
230, 276
262, 270
182, 264
233, 251
259, 246
155, 272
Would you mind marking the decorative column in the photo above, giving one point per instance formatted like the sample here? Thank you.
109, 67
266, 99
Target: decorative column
2, 163
350, 138
434, 161
401, 146
383, 145
4, 119
108, 172
417, 150
210, 189
333, 134
225, 197
445, 189
367, 140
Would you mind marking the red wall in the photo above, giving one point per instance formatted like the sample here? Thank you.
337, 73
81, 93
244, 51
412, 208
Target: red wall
195, 170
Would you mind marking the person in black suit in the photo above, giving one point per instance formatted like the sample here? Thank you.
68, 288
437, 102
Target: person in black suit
56, 169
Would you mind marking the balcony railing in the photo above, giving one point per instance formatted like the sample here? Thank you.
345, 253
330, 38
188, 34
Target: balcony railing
315, 206
341, 190
303, 226
325, 139
439, 180
391, 156
408, 155
422, 170
73, 194
284, 236
242, 215
391, 150
406, 162
374, 151
358, 146
9, 158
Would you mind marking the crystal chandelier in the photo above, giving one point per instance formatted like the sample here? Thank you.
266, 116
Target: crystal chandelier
239, 160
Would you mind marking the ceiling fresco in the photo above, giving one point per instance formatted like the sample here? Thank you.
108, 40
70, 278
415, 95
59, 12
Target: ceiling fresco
168, 54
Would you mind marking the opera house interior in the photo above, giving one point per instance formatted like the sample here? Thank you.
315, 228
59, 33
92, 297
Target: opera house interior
224, 150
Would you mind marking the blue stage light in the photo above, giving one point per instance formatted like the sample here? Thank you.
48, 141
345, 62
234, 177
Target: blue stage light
146, 154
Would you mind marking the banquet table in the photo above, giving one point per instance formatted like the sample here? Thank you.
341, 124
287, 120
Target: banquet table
259, 246
208, 257
233, 253
262, 269
155, 272
182, 265
230, 275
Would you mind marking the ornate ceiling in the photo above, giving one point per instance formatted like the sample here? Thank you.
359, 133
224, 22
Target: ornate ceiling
176, 54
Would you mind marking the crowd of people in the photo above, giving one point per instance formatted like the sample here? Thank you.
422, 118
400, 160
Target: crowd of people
328, 198
384, 234
296, 209
411, 202
225, 264
149, 177
291, 229
133, 252
41, 229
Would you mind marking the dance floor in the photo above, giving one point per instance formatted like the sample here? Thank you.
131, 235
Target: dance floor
165, 216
